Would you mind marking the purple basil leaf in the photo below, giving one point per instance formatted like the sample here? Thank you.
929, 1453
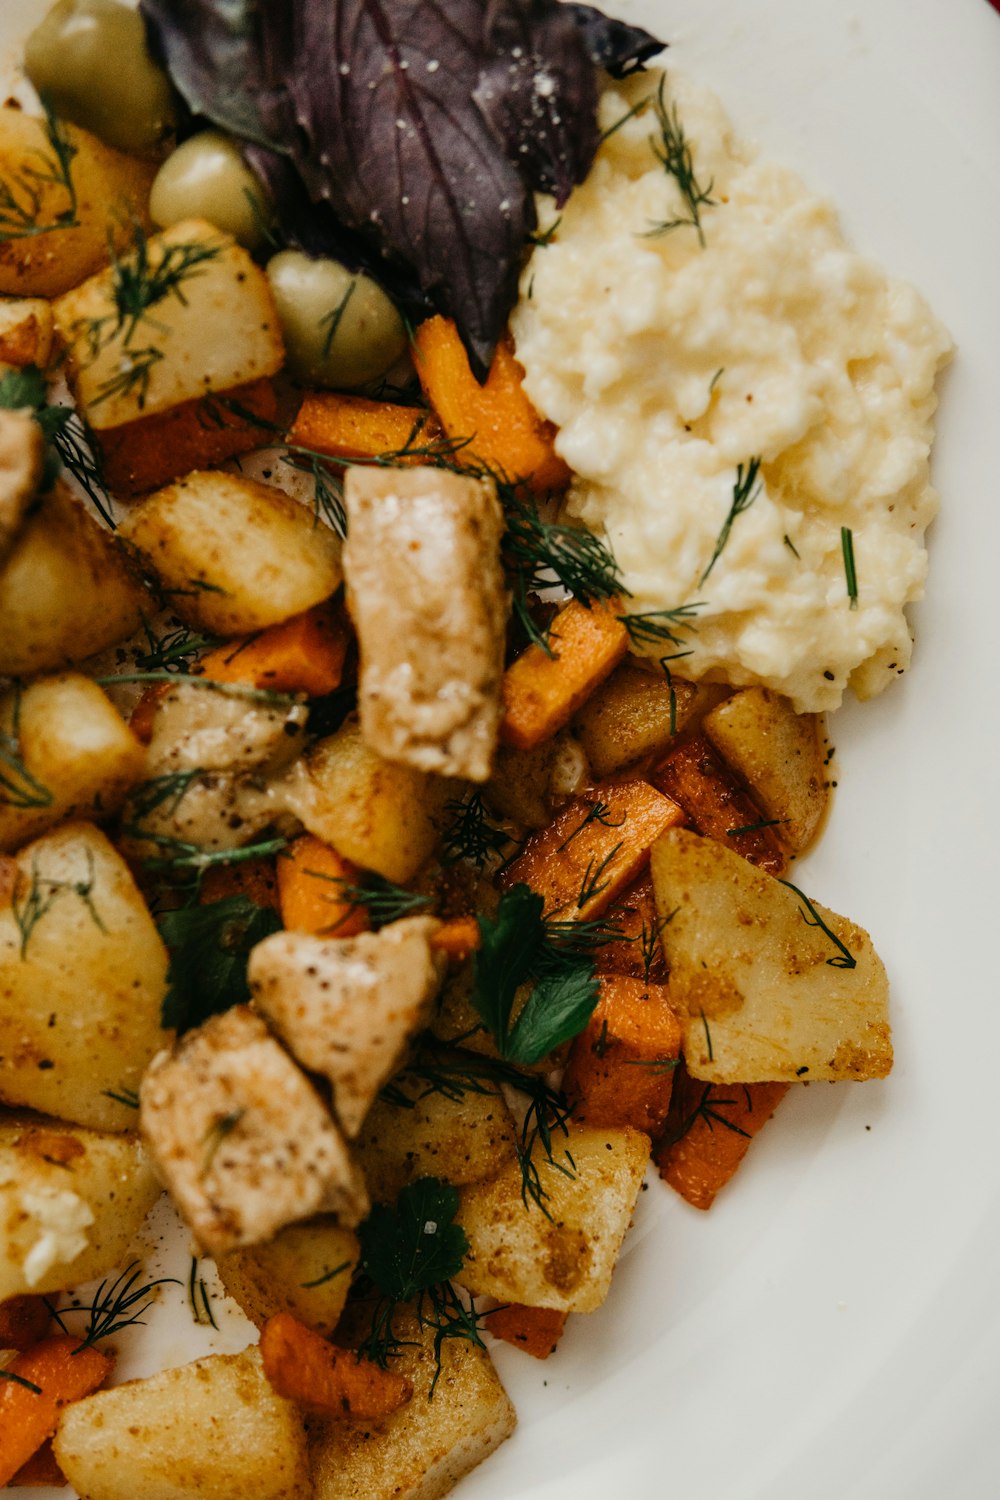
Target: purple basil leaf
612, 45
211, 49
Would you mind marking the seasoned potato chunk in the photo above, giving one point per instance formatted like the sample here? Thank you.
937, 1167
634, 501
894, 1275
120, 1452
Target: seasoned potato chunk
380, 815
780, 756
83, 973
233, 555
633, 715
463, 1139
423, 1450
211, 1430
22, 453
769, 985
426, 591
26, 327
563, 1260
241, 1138
347, 1007
78, 754
528, 786
71, 1202
305, 1270
66, 591
43, 265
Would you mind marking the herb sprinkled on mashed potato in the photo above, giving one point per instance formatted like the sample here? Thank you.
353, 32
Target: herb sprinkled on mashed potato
671, 365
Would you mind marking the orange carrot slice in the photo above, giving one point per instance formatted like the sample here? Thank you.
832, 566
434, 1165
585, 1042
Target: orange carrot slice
35, 1387
621, 1067
542, 693
708, 1132
355, 427
305, 1368
311, 880
536, 1330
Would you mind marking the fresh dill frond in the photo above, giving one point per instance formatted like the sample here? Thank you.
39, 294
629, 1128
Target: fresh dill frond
630, 114
673, 150
170, 652
843, 958
134, 373
19, 788
538, 554
658, 625
23, 193
546, 236
198, 1298
383, 901
128, 1097
117, 1305
850, 571
709, 1109
308, 1286
43, 892
160, 794
332, 320
179, 857
79, 459
328, 489
140, 281
15, 1379
597, 812
242, 690
470, 835
745, 491
593, 885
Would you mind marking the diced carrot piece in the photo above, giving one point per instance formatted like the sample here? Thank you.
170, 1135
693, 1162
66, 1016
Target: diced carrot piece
305, 654
35, 1387
638, 952
596, 847
536, 1330
708, 1132
304, 1367
542, 693
255, 878
716, 805
41, 1471
621, 1067
501, 426
311, 881
23, 1321
457, 938
355, 427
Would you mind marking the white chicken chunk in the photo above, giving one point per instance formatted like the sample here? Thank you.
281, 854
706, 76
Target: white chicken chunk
21, 458
241, 1138
425, 589
347, 1007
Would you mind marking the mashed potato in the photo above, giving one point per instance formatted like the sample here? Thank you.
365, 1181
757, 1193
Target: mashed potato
668, 363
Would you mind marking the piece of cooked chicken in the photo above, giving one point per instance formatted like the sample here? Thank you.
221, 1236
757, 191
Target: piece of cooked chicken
347, 1007
22, 455
240, 1137
426, 592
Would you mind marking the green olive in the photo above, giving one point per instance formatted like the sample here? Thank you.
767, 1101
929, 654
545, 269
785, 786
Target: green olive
207, 178
340, 328
89, 59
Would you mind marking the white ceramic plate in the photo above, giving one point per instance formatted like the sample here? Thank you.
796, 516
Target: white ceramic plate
830, 1330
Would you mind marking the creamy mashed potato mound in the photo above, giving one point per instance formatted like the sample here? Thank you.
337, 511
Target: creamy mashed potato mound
668, 363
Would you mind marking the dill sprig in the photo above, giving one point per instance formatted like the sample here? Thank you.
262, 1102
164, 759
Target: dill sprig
745, 491
383, 901
539, 553
42, 893
332, 320
140, 282
470, 835
23, 193
117, 1305
843, 958
78, 457
133, 375
850, 571
198, 1297
170, 651
179, 857
708, 1109
673, 150
160, 793
18, 786
128, 1097
597, 812
656, 625
15, 1379
240, 690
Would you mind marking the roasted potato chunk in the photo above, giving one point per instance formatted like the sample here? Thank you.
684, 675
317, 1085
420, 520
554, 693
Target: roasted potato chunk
305, 1270
634, 715
22, 456
26, 328
770, 986
214, 1428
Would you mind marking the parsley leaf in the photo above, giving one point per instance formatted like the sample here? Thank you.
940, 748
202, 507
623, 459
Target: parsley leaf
519, 947
209, 948
415, 1246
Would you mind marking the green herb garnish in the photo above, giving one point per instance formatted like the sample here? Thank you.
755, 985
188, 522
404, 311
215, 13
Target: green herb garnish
209, 949
673, 150
745, 491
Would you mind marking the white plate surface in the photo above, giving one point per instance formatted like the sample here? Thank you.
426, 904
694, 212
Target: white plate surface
831, 1329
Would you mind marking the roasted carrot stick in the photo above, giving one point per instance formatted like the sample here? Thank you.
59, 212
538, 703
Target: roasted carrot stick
708, 1132
542, 693
499, 423
305, 1368
639, 953
621, 1067
698, 779
41, 1471
536, 1330
305, 654
35, 1387
311, 881
596, 847
354, 427
457, 938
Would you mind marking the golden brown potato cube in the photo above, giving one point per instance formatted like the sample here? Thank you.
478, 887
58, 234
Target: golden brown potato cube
71, 1203
562, 1259
423, 1450
107, 192
66, 590
780, 755
377, 813
213, 1429
634, 715
26, 328
463, 1139
241, 1138
770, 986
79, 757
213, 327
83, 973
305, 1270
233, 555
